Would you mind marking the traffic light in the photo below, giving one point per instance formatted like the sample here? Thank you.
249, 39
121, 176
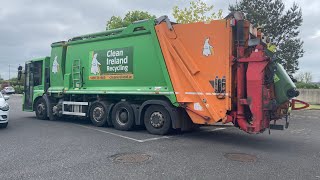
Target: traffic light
19, 72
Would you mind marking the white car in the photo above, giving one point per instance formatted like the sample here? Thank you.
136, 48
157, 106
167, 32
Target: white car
4, 111
8, 90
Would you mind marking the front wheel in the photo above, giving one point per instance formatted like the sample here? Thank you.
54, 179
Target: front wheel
157, 120
41, 109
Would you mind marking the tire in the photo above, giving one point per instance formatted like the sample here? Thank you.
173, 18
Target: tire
99, 113
41, 109
123, 116
3, 125
157, 120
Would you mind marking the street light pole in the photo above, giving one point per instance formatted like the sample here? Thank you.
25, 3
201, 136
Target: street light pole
9, 74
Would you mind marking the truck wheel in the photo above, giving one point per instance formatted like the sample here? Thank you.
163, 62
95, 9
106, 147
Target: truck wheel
157, 120
41, 109
123, 116
3, 125
99, 113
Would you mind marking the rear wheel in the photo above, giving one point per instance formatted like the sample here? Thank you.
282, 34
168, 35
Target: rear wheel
123, 116
157, 120
41, 109
99, 113
3, 125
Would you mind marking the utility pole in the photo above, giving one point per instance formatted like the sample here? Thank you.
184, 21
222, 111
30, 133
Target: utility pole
9, 75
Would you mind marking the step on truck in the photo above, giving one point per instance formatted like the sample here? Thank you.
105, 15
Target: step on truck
163, 75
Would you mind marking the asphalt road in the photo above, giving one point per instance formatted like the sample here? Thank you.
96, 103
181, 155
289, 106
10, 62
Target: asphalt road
74, 149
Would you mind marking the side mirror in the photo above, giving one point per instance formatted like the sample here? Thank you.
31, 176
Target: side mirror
6, 97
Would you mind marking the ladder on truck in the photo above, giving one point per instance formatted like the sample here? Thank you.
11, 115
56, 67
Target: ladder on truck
76, 74
70, 107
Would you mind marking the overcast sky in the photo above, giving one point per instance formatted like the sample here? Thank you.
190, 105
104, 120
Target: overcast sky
28, 27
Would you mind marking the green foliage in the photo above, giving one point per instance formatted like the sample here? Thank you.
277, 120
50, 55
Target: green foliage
281, 26
18, 89
15, 82
305, 81
12, 82
118, 22
1, 80
17, 85
198, 11
303, 85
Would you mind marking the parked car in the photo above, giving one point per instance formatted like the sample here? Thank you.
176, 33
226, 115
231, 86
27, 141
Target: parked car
4, 110
8, 90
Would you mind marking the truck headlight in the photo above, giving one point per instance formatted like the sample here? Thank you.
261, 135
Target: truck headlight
5, 107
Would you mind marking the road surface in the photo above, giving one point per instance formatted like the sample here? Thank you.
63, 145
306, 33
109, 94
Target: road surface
74, 149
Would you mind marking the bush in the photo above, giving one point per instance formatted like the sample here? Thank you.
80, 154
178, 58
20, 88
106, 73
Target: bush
18, 90
303, 85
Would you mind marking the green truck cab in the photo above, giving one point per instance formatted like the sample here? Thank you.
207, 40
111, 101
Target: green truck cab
36, 81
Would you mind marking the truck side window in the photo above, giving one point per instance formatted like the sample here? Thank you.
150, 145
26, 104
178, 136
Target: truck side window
37, 73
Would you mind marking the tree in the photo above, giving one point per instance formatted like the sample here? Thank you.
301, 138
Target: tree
1, 79
300, 77
305, 77
281, 26
198, 11
305, 81
118, 22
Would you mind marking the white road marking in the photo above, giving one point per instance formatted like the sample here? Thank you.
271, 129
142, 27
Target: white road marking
153, 139
212, 130
125, 137
140, 140
217, 129
298, 131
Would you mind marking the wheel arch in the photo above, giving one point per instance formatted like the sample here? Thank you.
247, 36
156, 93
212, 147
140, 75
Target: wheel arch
48, 101
167, 105
35, 102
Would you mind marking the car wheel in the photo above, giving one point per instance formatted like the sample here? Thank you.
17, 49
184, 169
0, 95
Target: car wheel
41, 109
123, 116
99, 113
157, 120
3, 125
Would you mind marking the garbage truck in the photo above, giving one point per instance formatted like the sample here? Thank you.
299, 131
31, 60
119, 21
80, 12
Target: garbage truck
164, 76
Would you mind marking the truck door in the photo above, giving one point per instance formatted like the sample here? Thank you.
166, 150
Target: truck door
28, 87
46, 79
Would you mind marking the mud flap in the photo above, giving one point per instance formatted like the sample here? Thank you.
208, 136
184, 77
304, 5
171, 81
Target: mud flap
276, 127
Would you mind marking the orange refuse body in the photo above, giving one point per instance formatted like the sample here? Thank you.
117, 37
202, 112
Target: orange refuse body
198, 57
